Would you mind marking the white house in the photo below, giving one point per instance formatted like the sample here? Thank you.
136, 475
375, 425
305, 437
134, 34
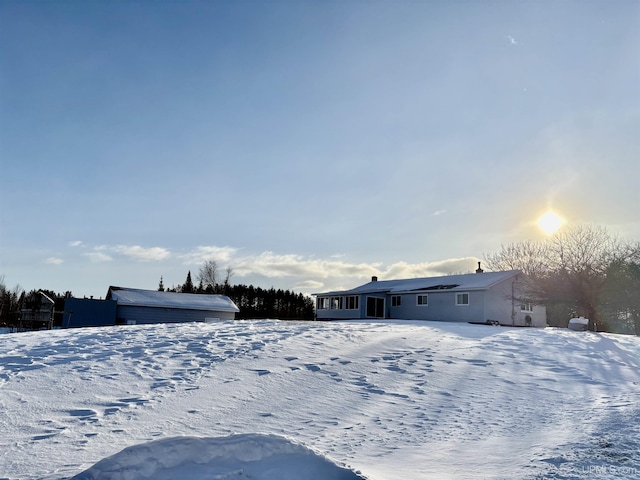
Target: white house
492, 297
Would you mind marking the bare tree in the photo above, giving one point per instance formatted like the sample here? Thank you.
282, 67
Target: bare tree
569, 269
528, 257
581, 256
585, 249
228, 274
208, 275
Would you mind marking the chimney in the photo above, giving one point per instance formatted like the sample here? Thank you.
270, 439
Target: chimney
479, 270
374, 279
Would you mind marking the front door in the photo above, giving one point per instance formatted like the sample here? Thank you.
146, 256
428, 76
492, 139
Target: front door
375, 307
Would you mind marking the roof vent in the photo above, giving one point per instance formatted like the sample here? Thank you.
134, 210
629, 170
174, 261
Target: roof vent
374, 279
479, 270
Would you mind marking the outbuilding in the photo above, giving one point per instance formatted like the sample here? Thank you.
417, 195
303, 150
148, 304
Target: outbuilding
492, 298
135, 306
131, 306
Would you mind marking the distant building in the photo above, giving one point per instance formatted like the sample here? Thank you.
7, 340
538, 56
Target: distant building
88, 312
37, 314
151, 306
130, 306
493, 297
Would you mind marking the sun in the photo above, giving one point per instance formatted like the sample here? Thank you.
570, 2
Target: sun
550, 222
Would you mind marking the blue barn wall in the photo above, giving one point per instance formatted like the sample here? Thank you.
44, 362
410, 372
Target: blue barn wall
88, 312
138, 315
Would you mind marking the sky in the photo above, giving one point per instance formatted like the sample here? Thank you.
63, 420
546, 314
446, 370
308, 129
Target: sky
306, 145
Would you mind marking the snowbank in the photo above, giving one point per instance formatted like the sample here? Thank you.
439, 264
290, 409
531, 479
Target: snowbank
251, 456
579, 324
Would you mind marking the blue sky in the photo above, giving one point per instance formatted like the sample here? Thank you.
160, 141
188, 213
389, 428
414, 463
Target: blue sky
307, 145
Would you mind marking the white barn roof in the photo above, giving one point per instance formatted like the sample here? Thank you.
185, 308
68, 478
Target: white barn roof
189, 301
469, 281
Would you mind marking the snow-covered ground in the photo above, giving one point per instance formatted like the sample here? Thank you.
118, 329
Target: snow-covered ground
263, 399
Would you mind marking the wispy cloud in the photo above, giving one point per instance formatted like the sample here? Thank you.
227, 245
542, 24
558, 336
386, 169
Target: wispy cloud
303, 273
512, 40
54, 261
438, 212
98, 257
313, 270
75, 243
107, 253
270, 264
430, 269
201, 254
140, 253
309, 285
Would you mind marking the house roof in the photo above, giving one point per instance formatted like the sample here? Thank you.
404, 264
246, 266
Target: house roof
469, 281
188, 301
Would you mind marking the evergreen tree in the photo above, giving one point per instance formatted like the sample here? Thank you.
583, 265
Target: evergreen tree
10, 303
255, 302
188, 284
620, 303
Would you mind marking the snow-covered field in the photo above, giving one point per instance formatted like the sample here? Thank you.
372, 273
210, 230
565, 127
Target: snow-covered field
263, 399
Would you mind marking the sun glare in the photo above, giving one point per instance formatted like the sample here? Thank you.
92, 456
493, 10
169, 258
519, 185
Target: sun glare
550, 222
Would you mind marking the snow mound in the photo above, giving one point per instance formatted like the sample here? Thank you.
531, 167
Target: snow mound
247, 456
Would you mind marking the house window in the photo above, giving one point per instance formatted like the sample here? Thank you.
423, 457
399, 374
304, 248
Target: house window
352, 302
423, 300
526, 307
323, 303
462, 299
396, 300
336, 303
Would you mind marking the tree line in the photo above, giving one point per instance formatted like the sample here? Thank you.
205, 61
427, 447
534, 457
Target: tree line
22, 310
253, 302
582, 270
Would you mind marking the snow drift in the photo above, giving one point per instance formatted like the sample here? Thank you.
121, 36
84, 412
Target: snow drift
251, 456
393, 400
